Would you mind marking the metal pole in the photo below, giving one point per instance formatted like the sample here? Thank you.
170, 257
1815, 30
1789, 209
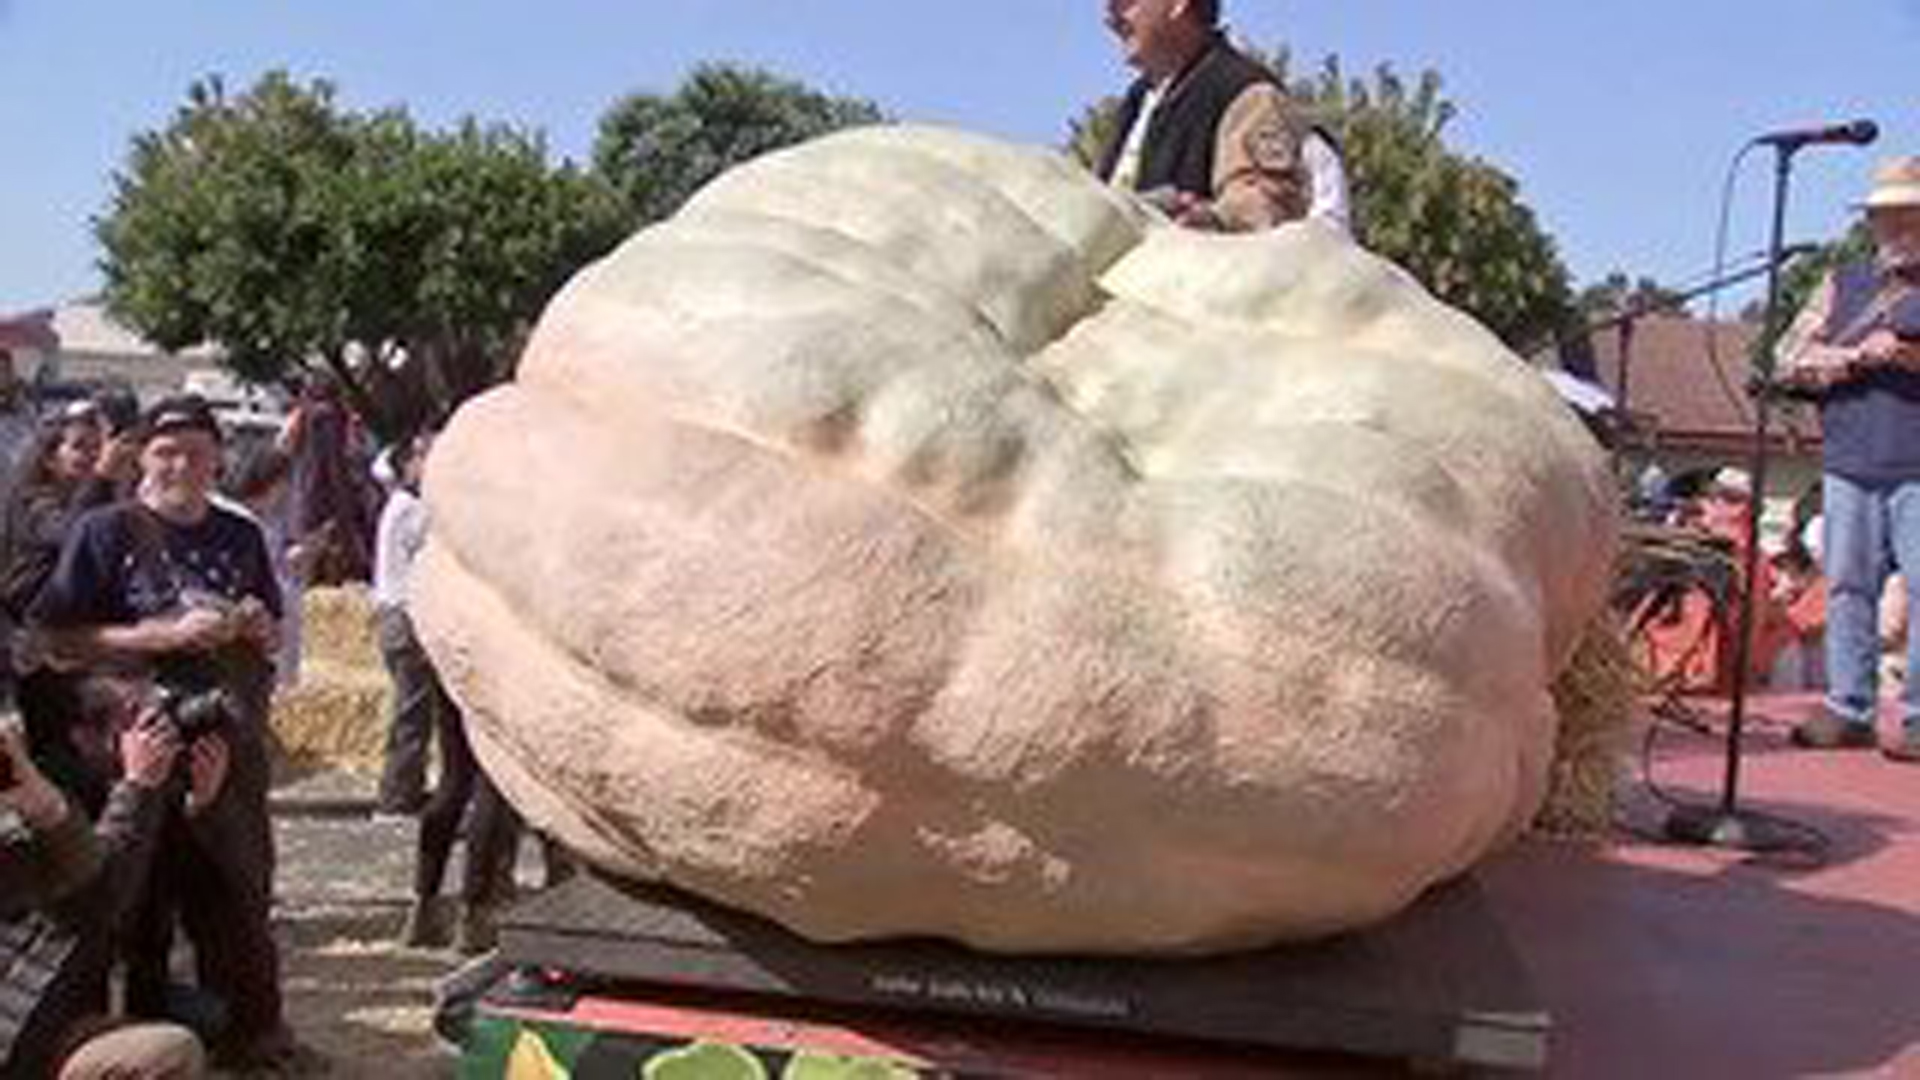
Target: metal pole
1725, 825
1762, 414
1624, 395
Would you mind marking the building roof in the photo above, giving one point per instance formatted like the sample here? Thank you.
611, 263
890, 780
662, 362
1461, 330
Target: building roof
1684, 383
29, 330
86, 329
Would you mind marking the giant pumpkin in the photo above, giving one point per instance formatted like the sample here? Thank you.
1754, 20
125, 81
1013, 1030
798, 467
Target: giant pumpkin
911, 537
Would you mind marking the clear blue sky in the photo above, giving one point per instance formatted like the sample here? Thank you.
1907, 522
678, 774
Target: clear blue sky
1617, 118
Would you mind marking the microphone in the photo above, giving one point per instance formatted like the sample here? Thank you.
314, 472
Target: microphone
1858, 133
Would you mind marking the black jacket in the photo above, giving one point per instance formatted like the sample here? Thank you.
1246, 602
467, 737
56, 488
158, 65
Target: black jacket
1179, 148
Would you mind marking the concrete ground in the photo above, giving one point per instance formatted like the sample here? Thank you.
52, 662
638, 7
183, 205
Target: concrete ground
342, 889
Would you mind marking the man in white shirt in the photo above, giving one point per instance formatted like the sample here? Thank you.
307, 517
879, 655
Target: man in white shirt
417, 694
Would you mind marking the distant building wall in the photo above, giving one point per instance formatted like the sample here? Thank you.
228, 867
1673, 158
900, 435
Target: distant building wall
93, 348
151, 375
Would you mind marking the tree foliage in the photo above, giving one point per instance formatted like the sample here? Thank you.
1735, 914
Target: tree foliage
215, 233
1455, 222
292, 233
1617, 294
503, 232
1797, 282
1801, 276
658, 150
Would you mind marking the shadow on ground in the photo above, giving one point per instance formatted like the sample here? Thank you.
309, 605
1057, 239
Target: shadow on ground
1727, 969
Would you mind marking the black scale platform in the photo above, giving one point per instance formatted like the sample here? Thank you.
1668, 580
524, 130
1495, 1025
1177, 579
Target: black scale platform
1438, 985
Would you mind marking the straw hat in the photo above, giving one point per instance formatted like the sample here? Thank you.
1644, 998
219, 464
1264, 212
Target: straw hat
1896, 183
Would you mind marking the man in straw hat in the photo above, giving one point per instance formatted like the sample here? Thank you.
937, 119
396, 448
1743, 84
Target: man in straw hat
1857, 347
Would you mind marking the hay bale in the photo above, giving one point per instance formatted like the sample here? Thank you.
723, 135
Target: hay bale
337, 625
337, 715
1594, 697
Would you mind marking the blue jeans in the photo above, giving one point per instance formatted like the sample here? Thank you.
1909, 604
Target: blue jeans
1868, 526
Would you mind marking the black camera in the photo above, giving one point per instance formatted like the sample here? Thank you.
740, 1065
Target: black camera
197, 712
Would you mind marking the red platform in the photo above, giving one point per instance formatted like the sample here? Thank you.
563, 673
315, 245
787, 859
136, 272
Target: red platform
1664, 961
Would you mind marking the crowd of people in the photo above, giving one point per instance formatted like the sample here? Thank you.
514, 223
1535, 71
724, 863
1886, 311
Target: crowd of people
1682, 598
125, 580
150, 586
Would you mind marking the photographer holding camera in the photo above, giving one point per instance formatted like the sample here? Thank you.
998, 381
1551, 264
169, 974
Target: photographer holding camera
171, 582
64, 886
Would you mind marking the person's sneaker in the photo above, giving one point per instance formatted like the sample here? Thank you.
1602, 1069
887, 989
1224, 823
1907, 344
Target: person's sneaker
1905, 749
1830, 732
427, 924
477, 932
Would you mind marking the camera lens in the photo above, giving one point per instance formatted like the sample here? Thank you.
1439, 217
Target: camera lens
197, 714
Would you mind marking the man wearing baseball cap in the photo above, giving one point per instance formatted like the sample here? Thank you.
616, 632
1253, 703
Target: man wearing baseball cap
1856, 347
170, 582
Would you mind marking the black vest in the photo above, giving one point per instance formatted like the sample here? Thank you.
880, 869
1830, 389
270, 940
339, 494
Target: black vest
1870, 425
1182, 133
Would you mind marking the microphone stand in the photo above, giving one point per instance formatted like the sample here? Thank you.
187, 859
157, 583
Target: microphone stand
1726, 825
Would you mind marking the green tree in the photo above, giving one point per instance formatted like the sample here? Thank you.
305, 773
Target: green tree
214, 233
1797, 282
1089, 134
502, 231
1617, 293
294, 234
1455, 222
658, 150
1802, 275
